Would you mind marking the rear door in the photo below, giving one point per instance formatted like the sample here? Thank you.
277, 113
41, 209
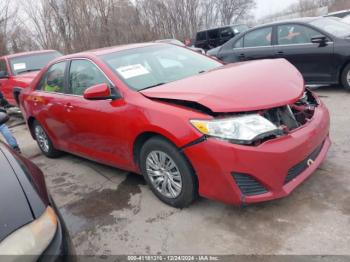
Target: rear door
48, 104
314, 61
256, 44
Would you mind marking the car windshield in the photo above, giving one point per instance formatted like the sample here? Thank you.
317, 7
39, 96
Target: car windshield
155, 65
332, 26
34, 62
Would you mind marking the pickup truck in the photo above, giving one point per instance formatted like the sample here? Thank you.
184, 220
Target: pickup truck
18, 70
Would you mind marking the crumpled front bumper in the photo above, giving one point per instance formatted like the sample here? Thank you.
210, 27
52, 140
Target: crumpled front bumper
215, 161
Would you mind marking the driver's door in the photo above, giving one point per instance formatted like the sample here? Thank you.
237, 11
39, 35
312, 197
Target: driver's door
95, 127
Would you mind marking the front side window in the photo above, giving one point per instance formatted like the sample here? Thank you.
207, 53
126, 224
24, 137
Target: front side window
149, 66
259, 37
29, 63
3, 67
53, 80
295, 34
82, 75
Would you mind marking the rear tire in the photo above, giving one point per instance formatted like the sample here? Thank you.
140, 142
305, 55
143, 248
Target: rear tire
168, 173
345, 77
44, 141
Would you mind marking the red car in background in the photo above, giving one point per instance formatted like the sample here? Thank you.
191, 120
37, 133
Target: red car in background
241, 133
17, 71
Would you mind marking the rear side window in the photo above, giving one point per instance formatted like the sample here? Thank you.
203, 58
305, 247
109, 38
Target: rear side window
53, 80
201, 36
213, 34
82, 75
3, 67
259, 37
295, 34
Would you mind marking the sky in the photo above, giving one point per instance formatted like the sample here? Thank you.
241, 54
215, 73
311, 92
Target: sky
266, 7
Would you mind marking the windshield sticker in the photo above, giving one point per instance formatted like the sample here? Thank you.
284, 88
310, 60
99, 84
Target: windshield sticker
19, 66
132, 71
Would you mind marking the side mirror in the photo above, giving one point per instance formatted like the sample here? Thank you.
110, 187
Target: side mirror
320, 39
3, 74
100, 92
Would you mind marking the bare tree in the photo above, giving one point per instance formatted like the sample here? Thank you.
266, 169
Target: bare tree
233, 10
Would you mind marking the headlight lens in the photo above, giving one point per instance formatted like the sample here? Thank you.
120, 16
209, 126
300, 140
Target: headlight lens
241, 128
33, 238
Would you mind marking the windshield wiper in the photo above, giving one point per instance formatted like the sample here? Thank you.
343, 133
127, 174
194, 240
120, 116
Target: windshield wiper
159, 84
29, 70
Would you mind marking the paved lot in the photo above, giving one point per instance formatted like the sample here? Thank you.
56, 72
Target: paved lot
109, 211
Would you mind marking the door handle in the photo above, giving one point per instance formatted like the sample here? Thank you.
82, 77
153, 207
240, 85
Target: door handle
241, 56
280, 53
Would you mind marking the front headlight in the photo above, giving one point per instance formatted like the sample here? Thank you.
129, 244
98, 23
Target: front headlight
241, 128
31, 239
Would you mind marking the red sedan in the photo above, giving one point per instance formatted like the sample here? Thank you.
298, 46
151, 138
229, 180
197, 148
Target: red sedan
17, 71
240, 133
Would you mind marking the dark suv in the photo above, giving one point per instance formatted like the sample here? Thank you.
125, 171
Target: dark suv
211, 38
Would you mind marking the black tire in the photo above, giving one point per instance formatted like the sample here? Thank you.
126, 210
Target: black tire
189, 189
48, 150
344, 77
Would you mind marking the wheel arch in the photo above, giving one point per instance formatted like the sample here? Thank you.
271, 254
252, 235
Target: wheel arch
30, 123
342, 68
142, 138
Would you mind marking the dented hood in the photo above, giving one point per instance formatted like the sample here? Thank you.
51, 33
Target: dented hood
237, 87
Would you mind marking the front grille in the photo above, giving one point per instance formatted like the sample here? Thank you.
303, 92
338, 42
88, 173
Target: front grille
248, 185
302, 166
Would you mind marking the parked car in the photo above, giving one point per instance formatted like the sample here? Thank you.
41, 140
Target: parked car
211, 38
318, 47
185, 121
18, 70
179, 43
30, 224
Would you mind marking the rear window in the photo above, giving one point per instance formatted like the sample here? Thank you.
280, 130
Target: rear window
29, 63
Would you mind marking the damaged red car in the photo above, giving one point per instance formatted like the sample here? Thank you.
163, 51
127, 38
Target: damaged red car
240, 133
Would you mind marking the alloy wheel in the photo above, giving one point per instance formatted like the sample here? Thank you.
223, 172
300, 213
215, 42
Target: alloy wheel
348, 77
164, 174
42, 139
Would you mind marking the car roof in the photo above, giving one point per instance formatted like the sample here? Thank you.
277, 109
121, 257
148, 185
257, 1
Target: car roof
292, 20
28, 53
108, 50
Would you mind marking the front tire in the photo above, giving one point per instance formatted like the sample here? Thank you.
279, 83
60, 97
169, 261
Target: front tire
345, 77
44, 142
168, 173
